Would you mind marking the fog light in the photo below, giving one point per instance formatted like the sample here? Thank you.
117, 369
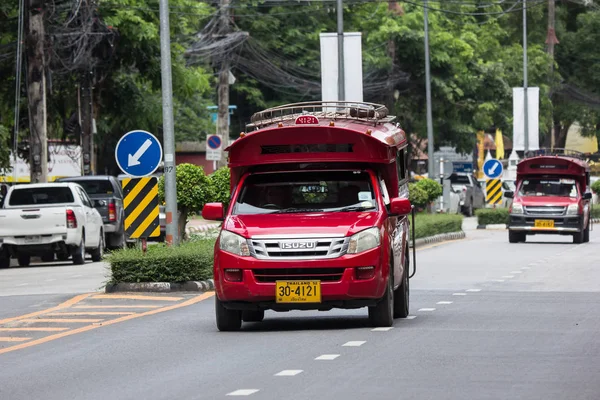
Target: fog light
365, 273
233, 274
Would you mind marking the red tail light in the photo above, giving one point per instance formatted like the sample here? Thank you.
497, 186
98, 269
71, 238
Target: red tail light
365, 273
71, 219
233, 274
112, 211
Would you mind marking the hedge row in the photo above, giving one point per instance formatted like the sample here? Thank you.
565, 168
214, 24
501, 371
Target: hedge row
433, 224
191, 261
596, 210
489, 216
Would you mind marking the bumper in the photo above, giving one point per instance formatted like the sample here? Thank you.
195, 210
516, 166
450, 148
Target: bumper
340, 289
111, 227
562, 224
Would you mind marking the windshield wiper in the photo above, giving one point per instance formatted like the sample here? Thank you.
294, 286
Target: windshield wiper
355, 208
297, 210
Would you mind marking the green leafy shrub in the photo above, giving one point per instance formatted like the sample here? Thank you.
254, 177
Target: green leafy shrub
596, 187
191, 261
221, 187
596, 211
433, 224
431, 187
489, 216
417, 195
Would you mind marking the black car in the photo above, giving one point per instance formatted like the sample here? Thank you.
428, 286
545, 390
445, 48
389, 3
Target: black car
106, 193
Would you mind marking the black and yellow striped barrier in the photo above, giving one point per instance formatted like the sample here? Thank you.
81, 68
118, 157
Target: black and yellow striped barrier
493, 191
141, 207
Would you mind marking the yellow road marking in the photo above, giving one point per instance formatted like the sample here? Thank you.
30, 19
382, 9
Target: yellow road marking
46, 339
90, 313
136, 297
120, 306
33, 329
13, 339
61, 306
61, 320
440, 243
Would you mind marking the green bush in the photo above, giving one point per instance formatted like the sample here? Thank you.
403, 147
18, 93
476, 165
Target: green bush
191, 261
596, 187
431, 187
433, 224
596, 211
489, 216
220, 182
417, 195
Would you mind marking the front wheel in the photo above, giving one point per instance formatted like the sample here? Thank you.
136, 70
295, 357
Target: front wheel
48, 257
24, 260
578, 237
516, 237
402, 294
586, 233
79, 253
227, 320
4, 262
382, 315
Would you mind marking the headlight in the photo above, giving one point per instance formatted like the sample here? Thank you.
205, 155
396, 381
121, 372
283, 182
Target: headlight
573, 209
517, 209
364, 240
232, 243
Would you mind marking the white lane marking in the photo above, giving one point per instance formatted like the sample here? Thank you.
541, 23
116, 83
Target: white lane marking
426, 309
411, 317
76, 276
459, 294
23, 284
473, 290
497, 280
289, 372
354, 343
327, 357
50, 280
444, 302
525, 268
243, 392
508, 276
516, 272
382, 329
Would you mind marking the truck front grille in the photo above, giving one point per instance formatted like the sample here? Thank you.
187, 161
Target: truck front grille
298, 248
550, 211
317, 274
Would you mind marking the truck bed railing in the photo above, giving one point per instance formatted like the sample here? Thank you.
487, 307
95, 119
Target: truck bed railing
335, 110
555, 152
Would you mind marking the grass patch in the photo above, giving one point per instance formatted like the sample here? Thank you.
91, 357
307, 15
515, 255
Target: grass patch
596, 211
489, 216
191, 261
433, 224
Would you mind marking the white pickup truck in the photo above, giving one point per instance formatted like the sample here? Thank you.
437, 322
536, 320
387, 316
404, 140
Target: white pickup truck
49, 219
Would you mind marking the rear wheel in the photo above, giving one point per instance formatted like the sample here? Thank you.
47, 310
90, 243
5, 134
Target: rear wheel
62, 256
79, 253
48, 257
402, 294
227, 320
382, 315
4, 262
116, 240
98, 252
24, 260
253, 316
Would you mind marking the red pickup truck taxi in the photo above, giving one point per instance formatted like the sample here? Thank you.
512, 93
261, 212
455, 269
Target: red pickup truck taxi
317, 217
552, 196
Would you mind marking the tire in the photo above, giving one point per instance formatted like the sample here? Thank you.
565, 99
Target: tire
578, 237
4, 262
24, 260
253, 316
470, 209
586, 233
402, 294
62, 256
516, 237
79, 253
98, 252
116, 241
227, 320
382, 315
48, 257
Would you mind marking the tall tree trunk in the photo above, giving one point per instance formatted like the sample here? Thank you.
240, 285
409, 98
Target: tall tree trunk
36, 92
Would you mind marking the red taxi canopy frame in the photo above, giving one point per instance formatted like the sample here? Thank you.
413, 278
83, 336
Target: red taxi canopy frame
555, 166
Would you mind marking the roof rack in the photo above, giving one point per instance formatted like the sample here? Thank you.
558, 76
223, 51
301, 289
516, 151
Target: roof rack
555, 152
347, 110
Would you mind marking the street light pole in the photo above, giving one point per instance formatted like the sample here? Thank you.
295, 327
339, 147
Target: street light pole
340, 43
172, 236
525, 101
430, 164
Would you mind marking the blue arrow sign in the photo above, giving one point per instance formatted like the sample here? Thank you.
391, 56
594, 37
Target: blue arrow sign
138, 153
492, 168
214, 142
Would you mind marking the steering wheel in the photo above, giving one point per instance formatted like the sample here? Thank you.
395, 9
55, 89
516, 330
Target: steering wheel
270, 205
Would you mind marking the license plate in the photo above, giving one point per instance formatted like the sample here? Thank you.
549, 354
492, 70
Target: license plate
298, 291
544, 223
32, 239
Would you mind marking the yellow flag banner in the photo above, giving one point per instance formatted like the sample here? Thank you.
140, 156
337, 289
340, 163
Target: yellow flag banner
480, 153
499, 145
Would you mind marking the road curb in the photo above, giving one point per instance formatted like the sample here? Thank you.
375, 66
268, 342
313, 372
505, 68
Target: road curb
504, 226
442, 237
190, 286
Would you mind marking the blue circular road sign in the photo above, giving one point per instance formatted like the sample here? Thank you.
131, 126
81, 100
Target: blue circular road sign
492, 168
214, 142
138, 153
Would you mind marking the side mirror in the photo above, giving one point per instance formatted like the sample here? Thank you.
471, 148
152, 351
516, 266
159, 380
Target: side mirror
400, 206
213, 211
509, 194
587, 196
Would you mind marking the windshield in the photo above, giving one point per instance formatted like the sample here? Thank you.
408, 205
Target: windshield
99, 187
460, 179
290, 192
40, 196
548, 187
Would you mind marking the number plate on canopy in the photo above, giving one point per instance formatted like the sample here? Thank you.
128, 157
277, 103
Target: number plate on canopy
298, 291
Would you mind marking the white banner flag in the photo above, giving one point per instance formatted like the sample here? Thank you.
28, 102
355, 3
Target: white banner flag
533, 113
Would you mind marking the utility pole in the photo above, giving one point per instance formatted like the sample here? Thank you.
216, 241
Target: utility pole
340, 44
36, 92
525, 101
86, 122
172, 236
551, 40
430, 163
223, 90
